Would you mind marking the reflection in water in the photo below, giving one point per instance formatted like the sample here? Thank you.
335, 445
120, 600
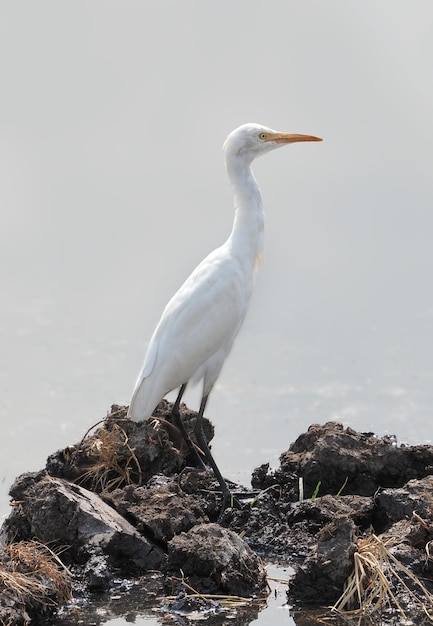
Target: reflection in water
134, 604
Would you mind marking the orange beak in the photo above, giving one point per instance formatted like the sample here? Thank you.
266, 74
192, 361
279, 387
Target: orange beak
290, 138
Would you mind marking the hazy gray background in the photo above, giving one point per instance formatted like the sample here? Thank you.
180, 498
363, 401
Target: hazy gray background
113, 187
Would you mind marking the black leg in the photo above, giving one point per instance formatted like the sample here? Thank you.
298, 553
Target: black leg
179, 423
205, 448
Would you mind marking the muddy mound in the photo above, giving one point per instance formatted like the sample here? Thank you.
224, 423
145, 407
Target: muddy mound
216, 558
342, 460
124, 503
126, 452
326, 535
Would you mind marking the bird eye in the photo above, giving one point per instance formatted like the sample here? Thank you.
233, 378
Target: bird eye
262, 136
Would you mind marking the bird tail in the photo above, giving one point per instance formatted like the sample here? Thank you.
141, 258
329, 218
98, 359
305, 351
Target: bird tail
144, 400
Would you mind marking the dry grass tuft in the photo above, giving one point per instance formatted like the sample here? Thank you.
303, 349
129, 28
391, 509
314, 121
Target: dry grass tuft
110, 467
225, 600
377, 582
31, 573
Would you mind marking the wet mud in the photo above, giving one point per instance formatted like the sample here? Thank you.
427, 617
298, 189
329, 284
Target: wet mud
125, 508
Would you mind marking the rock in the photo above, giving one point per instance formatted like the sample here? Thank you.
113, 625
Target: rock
320, 579
398, 504
60, 513
216, 560
159, 511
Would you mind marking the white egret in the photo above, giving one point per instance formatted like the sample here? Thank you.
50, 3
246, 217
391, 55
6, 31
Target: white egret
199, 324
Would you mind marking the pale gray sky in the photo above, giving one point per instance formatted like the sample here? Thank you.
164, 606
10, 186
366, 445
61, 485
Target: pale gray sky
112, 118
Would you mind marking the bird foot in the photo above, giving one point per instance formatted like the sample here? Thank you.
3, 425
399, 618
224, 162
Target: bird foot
229, 502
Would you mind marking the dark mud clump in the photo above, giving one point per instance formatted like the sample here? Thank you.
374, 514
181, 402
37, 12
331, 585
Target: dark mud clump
123, 506
384, 504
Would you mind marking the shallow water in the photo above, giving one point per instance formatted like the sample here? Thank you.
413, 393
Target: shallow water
131, 607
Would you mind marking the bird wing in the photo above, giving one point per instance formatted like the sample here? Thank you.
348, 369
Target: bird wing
203, 315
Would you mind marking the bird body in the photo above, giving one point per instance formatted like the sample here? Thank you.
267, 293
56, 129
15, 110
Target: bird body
196, 331
199, 324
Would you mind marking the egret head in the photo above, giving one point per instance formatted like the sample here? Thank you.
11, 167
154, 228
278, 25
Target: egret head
252, 140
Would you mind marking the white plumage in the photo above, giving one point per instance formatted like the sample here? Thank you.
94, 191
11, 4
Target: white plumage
199, 324
195, 333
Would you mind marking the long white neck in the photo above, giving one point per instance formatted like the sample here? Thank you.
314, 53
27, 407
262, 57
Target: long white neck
247, 236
